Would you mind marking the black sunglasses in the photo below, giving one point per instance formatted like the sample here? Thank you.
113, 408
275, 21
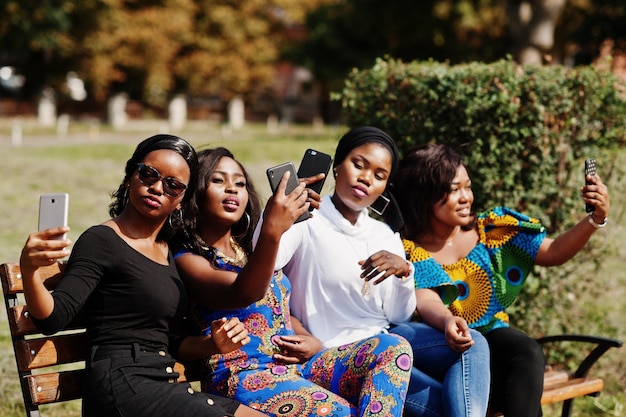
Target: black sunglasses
149, 175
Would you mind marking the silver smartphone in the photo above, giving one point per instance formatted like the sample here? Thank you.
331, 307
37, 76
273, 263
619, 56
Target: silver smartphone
53, 209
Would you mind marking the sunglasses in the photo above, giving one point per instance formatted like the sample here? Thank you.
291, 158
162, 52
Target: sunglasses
149, 175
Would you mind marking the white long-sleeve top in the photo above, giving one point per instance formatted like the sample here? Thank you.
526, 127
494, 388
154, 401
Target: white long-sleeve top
320, 257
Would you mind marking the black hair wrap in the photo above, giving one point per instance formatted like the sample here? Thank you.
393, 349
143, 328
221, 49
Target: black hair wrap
362, 135
368, 134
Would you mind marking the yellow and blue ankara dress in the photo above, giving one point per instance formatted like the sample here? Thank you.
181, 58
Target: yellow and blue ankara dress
482, 285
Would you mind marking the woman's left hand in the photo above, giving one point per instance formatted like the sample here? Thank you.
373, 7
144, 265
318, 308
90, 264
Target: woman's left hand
383, 264
597, 194
296, 348
229, 334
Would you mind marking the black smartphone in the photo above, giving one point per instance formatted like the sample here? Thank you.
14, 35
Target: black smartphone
275, 174
313, 163
590, 169
53, 210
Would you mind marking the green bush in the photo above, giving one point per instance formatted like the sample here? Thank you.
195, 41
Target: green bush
524, 133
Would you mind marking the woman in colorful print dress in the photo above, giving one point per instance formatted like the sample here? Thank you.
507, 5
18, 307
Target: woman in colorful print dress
283, 371
477, 265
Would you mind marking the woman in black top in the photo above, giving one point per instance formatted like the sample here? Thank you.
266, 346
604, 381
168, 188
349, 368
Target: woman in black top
122, 275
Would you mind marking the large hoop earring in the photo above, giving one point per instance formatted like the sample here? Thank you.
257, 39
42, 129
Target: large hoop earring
248, 221
178, 220
125, 196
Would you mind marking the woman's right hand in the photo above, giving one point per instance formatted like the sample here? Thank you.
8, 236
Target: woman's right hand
229, 334
283, 210
297, 348
458, 334
44, 248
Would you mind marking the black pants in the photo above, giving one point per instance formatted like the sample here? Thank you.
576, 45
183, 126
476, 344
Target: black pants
129, 381
517, 367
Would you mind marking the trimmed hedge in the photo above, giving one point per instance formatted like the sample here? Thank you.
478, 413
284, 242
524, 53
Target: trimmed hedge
524, 133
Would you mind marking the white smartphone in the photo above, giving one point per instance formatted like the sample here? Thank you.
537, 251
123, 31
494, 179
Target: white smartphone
53, 210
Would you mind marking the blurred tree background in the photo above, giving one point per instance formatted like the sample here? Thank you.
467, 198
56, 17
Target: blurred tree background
155, 49
288, 56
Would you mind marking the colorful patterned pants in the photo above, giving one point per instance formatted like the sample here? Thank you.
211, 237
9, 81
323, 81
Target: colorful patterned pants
365, 378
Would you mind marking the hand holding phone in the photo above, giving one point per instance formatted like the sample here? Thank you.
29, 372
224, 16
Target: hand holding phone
275, 174
53, 209
590, 170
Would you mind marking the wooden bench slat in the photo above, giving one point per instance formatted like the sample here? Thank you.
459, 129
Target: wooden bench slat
189, 372
50, 351
22, 324
56, 386
67, 385
552, 378
12, 276
571, 389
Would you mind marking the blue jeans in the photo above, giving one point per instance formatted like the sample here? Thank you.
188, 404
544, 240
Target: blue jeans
444, 382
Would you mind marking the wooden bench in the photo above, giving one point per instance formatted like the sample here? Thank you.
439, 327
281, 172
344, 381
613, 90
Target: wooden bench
564, 386
50, 368
43, 382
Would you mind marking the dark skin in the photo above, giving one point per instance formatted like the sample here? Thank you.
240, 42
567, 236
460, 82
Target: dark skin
298, 348
303, 345
228, 288
382, 264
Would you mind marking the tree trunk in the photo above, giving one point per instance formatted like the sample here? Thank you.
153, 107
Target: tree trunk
531, 25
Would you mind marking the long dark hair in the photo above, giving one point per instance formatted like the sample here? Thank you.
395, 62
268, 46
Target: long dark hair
423, 179
243, 230
157, 143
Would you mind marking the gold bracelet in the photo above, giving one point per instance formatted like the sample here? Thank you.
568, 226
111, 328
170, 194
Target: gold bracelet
594, 224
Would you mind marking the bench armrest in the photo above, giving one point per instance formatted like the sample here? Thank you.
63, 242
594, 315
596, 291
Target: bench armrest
603, 344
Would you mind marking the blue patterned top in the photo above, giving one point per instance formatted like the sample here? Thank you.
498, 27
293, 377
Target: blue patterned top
268, 318
482, 285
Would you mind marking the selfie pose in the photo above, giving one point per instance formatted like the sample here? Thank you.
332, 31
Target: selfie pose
283, 371
477, 264
351, 281
122, 276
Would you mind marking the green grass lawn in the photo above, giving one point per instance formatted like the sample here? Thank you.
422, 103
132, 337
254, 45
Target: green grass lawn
89, 164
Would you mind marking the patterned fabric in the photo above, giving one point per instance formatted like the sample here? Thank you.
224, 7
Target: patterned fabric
365, 378
482, 285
